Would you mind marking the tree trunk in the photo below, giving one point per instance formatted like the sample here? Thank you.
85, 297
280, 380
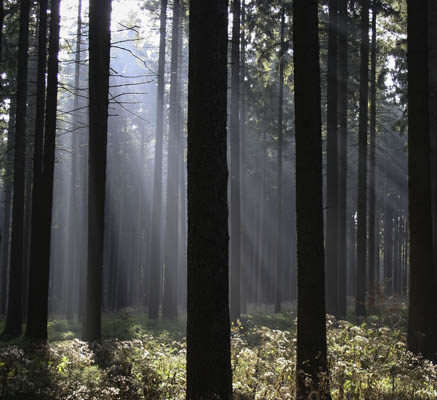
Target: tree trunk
99, 51
209, 374
169, 303
235, 210
342, 170
14, 311
332, 167
279, 216
2, 18
35, 243
74, 267
422, 336
433, 116
244, 223
372, 159
155, 259
39, 283
360, 299
311, 323
388, 238
182, 251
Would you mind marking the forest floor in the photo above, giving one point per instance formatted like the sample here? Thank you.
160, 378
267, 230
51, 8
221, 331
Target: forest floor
139, 359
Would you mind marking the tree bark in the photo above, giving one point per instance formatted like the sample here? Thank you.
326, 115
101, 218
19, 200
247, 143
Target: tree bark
209, 374
155, 260
388, 237
235, 210
99, 52
39, 292
342, 164
6, 238
75, 216
433, 116
332, 166
35, 243
422, 336
169, 303
279, 216
14, 311
244, 223
360, 299
311, 323
372, 159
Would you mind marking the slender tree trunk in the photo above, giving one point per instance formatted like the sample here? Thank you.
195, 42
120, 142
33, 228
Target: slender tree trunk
378, 251
360, 299
209, 374
244, 223
388, 238
99, 51
342, 166
6, 238
2, 18
14, 312
74, 265
352, 253
169, 303
422, 336
261, 245
372, 159
28, 202
182, 259
279, 216
155, 260
182, 251
311, 323
235, 209
332, 166
83, 173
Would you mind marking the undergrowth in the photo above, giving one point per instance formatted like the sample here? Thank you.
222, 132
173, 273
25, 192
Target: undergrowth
142, 360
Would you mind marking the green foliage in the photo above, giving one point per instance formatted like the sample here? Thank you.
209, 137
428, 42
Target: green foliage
147, 361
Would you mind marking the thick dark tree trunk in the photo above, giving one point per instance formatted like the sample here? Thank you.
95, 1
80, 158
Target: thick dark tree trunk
169, 302
279, 216
36, 238
372, 160
311, 323
433, 114
360, 299
99, 51
235, 210
39, 284
14, 311
342, 148
422, 336
209, 374
332, 166
155, 258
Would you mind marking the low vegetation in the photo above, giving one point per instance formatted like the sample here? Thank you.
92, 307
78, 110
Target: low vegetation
141, 360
